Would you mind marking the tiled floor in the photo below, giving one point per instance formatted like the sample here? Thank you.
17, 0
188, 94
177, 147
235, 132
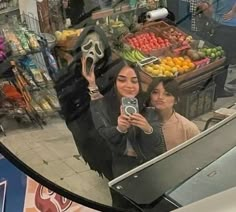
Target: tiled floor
52, 153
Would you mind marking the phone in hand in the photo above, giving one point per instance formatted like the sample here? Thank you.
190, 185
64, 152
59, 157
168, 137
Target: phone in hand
129, 105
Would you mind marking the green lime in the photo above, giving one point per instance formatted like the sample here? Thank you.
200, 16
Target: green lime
213, 55
214, 50
222, 52
218, 54
219, 48
208, 52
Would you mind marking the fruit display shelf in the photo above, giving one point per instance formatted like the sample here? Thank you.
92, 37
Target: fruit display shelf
202, 73
177, 37
198, 57
193, 77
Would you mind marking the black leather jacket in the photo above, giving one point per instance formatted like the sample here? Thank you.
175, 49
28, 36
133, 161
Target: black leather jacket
147, 146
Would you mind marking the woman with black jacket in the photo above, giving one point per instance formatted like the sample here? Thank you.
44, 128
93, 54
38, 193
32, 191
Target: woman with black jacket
133, 139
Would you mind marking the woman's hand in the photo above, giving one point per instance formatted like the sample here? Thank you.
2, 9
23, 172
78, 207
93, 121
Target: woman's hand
229, 15
123, 121
89, 76
138, 120
206, 8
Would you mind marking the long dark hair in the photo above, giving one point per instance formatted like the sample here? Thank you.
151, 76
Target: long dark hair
112, 99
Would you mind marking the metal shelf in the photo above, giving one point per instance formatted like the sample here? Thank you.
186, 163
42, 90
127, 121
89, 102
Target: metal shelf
123, 8
8, 10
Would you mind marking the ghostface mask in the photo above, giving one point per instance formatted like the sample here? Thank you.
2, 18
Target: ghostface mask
92, 50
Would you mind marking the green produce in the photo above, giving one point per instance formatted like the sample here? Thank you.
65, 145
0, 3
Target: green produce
133, 56
213, 53
195, 54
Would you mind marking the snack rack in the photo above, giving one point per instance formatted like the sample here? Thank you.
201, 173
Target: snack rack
22, 106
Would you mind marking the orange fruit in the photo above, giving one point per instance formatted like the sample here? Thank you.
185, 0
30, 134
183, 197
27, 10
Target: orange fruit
179, 63
178, 67
192, 65
169, 58
171, 64
185, 68
175, 60
185, 63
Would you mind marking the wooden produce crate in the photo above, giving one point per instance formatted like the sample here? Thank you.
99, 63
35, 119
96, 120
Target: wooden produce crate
155, 25
189, 78
205, 70
176, 43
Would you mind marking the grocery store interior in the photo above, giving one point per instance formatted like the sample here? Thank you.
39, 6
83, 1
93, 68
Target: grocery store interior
51, 131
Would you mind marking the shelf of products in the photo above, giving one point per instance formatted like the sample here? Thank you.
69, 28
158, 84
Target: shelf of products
8, 10
27, 92
8, 6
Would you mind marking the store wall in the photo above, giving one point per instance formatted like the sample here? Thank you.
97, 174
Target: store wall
29, 7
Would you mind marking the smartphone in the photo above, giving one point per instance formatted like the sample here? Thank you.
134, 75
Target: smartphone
129, 105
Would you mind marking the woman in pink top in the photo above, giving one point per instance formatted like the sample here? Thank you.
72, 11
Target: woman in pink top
164, 94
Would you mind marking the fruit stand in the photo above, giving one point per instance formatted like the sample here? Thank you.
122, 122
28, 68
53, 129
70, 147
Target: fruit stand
160, 50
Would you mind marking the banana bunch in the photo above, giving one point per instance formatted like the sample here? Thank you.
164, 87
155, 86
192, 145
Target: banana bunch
116, 23
133, 56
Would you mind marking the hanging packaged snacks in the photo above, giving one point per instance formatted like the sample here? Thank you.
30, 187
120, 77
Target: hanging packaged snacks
32, 39
53, 101
42, 102
38, 77
36, 106
29, 80
13, 42
45, 105
46, 76
32, 69
23, 40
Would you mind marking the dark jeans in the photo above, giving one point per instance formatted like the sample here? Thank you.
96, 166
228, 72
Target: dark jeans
225, 37
220, 81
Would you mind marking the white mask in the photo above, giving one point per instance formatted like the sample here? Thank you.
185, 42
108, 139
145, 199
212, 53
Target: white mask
92, 50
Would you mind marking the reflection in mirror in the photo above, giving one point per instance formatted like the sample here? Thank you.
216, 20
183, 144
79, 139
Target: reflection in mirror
164, 96
114, 115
